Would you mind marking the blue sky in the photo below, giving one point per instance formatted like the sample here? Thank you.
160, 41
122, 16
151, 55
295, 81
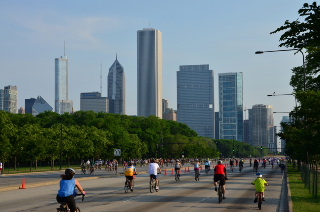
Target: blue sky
223, 34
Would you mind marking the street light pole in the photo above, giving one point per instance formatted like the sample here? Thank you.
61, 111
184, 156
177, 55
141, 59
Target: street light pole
303, 60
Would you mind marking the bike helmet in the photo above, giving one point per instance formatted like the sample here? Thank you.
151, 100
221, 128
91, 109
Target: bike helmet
259, 175
219, 162
69, 171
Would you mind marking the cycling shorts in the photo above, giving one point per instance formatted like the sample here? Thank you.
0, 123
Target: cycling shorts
129, 177
220, 177
154, 176
195, 169
176, 169
207, 166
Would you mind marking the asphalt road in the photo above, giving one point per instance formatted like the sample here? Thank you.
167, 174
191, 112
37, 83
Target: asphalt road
105, 192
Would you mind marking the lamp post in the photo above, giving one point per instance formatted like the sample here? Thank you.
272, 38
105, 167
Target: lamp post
285, 50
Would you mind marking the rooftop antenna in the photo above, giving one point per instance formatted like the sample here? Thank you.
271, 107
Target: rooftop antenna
101, 79
64, 48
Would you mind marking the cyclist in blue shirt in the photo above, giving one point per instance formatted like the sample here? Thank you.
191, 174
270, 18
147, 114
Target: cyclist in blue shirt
67, 189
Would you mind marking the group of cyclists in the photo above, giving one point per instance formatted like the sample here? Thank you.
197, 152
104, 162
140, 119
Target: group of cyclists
68, 183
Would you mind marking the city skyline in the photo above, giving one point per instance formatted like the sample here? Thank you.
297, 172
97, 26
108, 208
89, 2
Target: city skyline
33, 33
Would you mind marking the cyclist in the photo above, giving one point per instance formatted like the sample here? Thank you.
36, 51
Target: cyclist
255, 165
264, 163
220, 174
260, 184
177, 167
231, 163
241, 164
153, 171
128, 173
207, 165
67, 189
196, 166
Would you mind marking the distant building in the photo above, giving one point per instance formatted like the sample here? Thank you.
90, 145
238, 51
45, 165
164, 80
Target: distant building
36, 106
168, 113
195, 98
21, 110
9, 99
231, 106
216, 125
62, 102
261, 126
92, 101
117, 89
149, 59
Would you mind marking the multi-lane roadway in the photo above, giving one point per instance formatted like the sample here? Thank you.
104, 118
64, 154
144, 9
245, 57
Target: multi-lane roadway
105, 192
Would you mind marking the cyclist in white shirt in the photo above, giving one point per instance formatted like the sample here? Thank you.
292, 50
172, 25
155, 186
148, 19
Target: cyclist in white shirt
153, 172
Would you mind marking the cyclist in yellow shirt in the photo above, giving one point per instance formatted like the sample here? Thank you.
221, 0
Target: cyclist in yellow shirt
128, 173
260, 184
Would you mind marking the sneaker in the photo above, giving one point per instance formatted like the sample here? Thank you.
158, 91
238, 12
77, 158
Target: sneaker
157, 188
215, 189
255, 200
263, 199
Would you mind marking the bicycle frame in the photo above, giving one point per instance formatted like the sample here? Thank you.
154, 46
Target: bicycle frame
220, 191
259, 195
64, 206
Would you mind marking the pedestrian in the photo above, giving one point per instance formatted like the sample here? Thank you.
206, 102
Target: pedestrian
1, 167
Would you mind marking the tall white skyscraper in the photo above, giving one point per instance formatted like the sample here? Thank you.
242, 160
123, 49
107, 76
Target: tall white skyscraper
149, 65
9, 99
62, 102
117, 88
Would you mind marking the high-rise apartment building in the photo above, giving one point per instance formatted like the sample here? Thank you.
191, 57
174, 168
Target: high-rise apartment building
92, 101
195, 98
261, 126
149, 65
9, 99
62, 102
231, 106
117, 88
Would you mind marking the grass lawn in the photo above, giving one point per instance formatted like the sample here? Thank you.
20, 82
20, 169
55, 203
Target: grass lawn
301, 198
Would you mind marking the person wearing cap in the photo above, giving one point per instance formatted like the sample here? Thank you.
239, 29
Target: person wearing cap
220, 174
260, 184
67, 189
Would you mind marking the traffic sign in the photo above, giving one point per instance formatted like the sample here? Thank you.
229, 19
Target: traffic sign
117, 152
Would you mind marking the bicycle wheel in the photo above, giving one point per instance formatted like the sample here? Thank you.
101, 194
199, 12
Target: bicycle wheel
152, 186
259, 205
78, 209
176, 177
219, 195
259, 201
126, 187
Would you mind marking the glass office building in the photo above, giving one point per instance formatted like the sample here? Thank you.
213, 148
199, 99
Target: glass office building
62, 102
36, 106
195, 98
231, 106
149, 65
92, 101
117, 88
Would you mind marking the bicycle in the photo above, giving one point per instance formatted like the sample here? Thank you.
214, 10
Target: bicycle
64, 206
127, 186
255, 169
196, 175
177, 176
153, 184
259, 200
207, 169
240, 168
232, 168
220, 192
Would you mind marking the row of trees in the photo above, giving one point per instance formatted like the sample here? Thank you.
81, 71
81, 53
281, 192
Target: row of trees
52, 137
302, 135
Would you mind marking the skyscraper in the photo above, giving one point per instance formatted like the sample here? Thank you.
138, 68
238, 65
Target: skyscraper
9, 99
195, 98
117, 88
149, 65
261, 126
231, 106
62, 102
92, 101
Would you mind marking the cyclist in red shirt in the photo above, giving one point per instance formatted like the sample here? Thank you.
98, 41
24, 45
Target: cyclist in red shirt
220, 174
